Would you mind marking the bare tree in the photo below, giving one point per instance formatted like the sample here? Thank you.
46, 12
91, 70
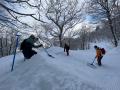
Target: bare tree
1, 46
7, 40
63, 15
104, 9
71, 33
116, 19
84, 37
11, 15
42, 32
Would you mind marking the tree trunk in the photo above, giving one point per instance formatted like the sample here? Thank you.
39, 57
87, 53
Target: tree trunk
112, 30
11, 39
1, 46
6, 46
60, 40
60, 37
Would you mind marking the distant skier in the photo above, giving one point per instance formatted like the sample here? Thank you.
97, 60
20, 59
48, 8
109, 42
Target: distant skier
66, 48
99, 54
27, 45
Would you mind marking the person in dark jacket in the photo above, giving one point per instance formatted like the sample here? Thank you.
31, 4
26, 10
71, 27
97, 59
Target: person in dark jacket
27, 45
66, 48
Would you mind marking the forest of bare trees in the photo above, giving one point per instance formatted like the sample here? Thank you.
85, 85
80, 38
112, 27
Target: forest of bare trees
7, 41
108, 10
54, 22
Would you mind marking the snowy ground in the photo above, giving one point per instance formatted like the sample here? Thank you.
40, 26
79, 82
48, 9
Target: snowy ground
62, 72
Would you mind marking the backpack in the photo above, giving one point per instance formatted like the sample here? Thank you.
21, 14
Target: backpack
103, 50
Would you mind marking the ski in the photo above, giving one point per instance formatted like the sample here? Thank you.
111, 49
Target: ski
50, 56
48, 53
91, 65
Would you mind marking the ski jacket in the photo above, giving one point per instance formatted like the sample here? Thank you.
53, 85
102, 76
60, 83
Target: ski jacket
28, 44
98, 53
66, 46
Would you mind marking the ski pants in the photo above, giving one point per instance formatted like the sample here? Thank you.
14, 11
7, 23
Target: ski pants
28, 54
99, 60
67, 51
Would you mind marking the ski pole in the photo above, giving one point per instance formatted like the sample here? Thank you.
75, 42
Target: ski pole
45, 50
15, 52
93, 61
47, 53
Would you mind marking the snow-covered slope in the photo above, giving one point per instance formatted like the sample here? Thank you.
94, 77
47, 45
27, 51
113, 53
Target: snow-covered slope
62, 72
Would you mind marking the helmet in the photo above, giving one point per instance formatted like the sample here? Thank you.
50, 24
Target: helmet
95, 46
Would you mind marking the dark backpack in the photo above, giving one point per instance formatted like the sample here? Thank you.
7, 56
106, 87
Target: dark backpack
103, 50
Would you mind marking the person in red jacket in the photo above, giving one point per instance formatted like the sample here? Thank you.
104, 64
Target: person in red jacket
99, 55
